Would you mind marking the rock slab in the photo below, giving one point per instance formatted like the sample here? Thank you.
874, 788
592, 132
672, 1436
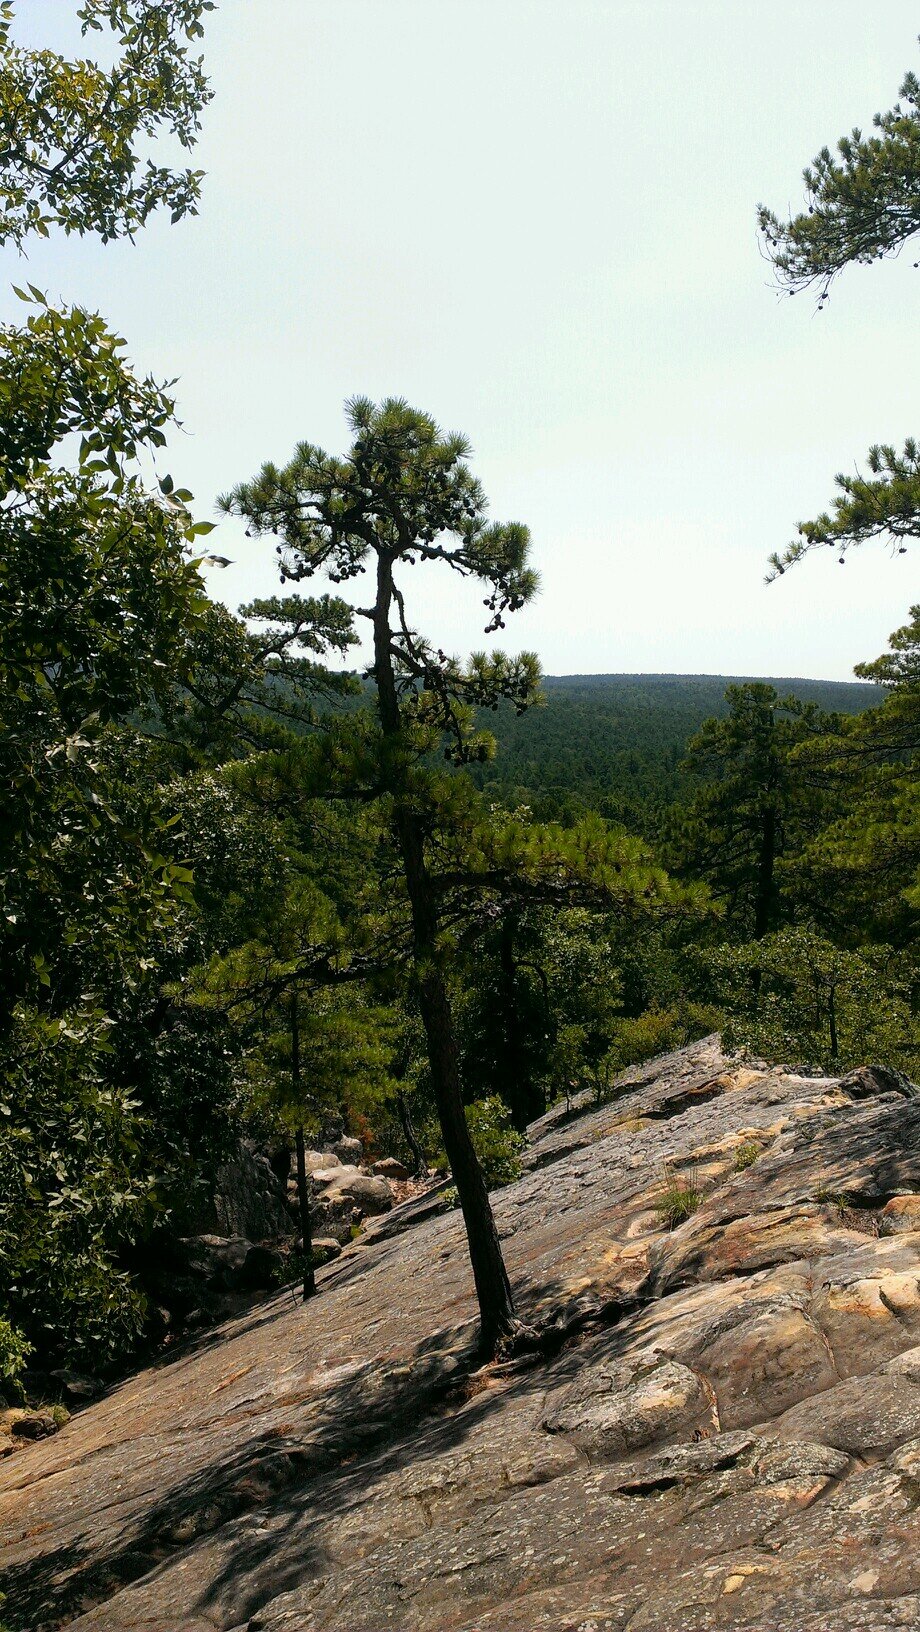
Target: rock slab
724, 1438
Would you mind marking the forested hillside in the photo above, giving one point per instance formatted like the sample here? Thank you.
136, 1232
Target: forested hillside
618, 741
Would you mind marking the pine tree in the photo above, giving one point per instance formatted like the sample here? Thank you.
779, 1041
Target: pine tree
405, 495
754, 805
883, 505
861, 872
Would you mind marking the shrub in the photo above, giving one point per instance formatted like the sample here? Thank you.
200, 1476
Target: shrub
73, 1195
658, 1031
14, 1352
495, 1142
832, 1198
745, 1156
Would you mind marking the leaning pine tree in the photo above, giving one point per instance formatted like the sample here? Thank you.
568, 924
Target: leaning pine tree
405, 495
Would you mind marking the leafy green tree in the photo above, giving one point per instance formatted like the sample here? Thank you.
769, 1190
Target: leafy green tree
863, 202
117, 1096
795, 997
101, 605
405, 495
14, 1352
100, 601
73, 1192
71, 130
755, 803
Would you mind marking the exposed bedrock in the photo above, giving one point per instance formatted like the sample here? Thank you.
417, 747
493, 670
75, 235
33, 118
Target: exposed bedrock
725, 1434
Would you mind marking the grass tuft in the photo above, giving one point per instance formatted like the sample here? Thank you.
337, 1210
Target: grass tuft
680, 1199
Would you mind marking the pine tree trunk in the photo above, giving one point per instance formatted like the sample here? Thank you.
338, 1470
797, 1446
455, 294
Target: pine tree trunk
766, 869
493, 1289
411, 1137
303, 1181
523, 1099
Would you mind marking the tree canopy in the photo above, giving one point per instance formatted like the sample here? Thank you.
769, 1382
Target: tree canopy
71, 132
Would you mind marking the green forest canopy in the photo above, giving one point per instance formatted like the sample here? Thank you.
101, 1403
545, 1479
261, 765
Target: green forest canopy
620, 739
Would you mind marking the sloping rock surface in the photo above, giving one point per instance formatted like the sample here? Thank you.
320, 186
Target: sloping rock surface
725, 1432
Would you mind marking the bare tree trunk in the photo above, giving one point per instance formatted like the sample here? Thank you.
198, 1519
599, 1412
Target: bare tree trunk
493, 1289
832, 1022
303, 1181
411, 1137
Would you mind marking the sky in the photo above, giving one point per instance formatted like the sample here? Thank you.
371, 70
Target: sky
535, 219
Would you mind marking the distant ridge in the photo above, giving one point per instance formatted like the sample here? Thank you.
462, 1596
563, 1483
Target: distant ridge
616, 742
710, 679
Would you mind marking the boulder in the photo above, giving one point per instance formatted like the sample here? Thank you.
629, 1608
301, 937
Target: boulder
372, 1195
326, 1177
342, 1196
317, 1161
246, 1198
390, 1168
899, 1214
348, 1150
615, 1408
336, 1218
249, 1198
868, 1080
37, 1424
229, 1263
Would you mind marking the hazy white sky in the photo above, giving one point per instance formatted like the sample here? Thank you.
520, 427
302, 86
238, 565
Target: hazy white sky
535, 219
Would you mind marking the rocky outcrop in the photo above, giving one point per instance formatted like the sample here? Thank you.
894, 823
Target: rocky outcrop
246, 1198
223, 1246
342, 1195
720, 1431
